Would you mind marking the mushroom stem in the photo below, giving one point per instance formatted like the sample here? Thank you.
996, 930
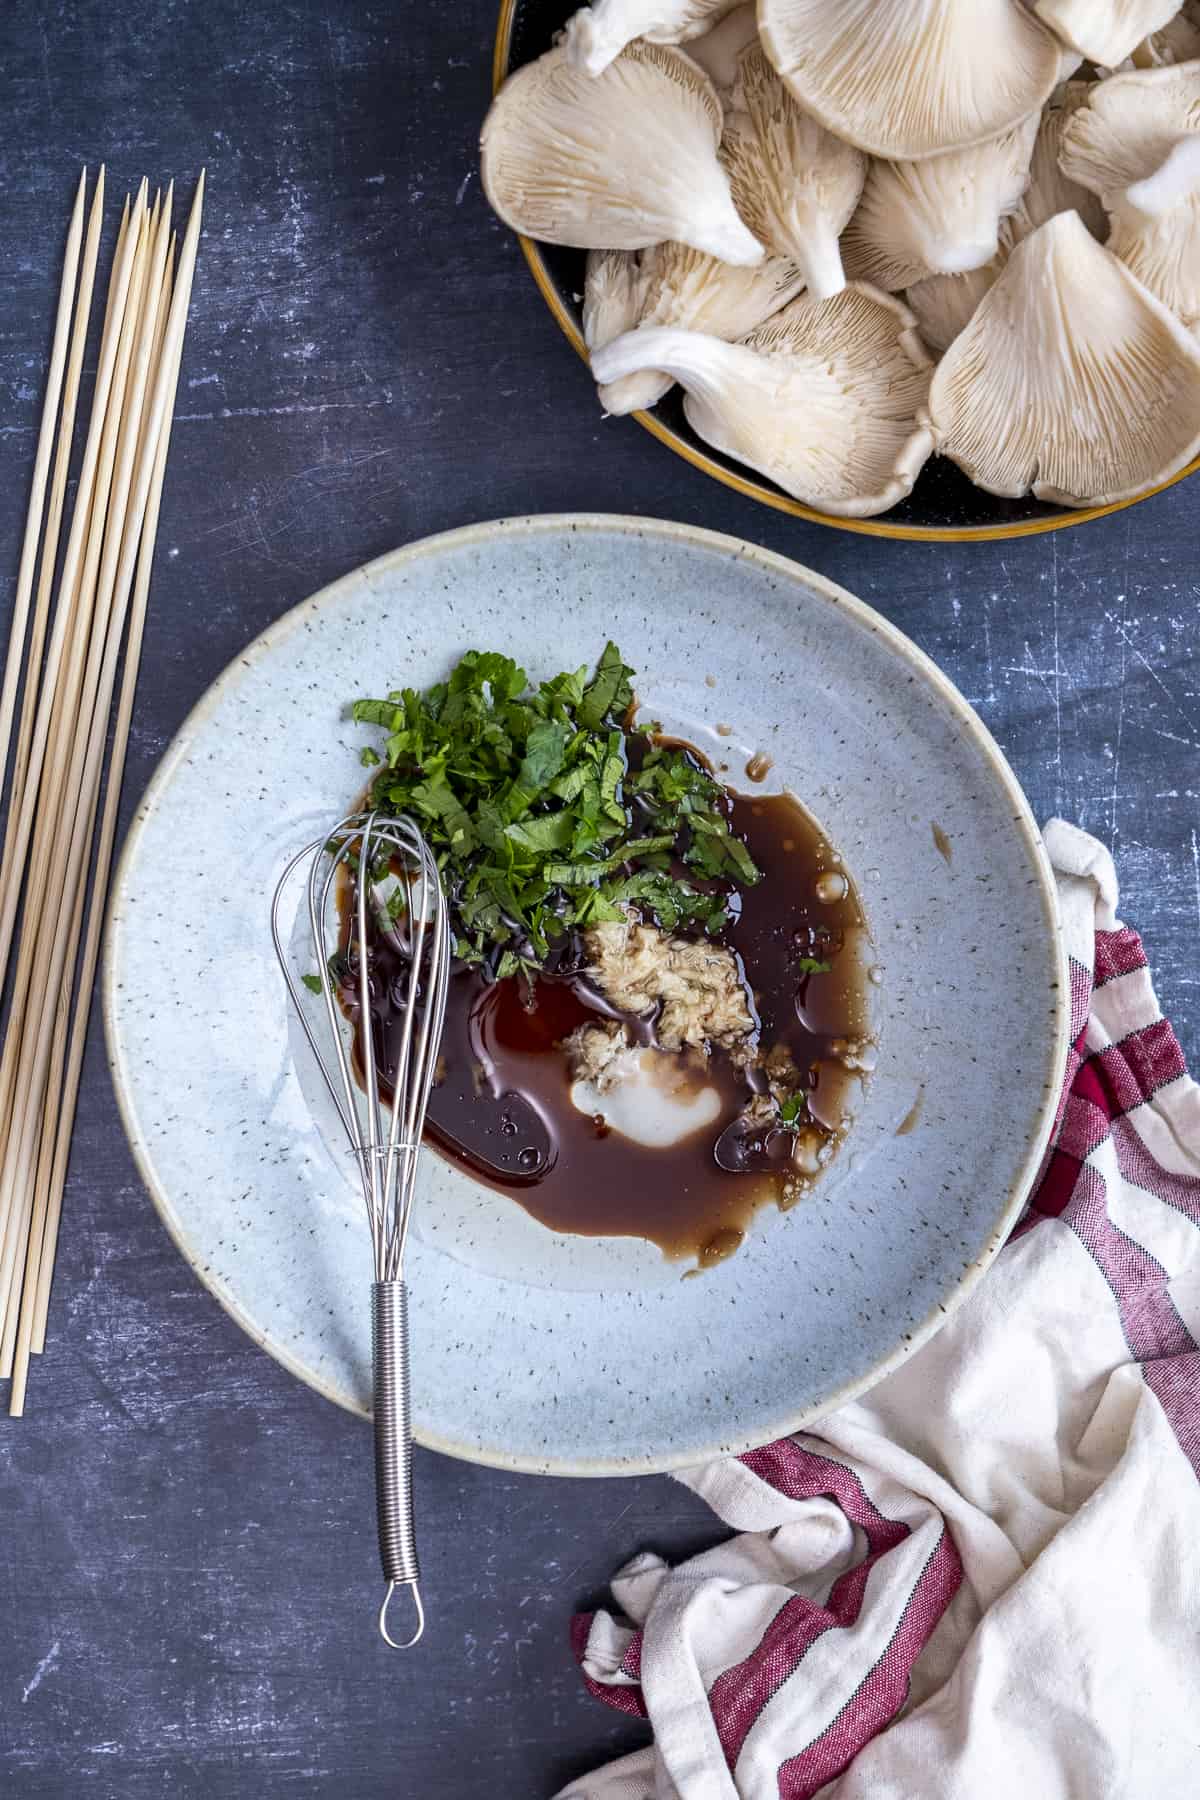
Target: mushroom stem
1177, 178
705, 363
960, 256
822, 260
724, 236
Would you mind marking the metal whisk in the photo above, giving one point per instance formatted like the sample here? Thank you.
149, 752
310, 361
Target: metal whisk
374, 845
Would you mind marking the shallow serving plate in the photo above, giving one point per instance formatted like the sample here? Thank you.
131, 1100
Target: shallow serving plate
560, 1353
943, 506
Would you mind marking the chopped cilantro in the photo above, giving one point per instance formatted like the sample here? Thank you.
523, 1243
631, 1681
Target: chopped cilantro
369, 758
538, 822
312, 983
812, 965
792, 1111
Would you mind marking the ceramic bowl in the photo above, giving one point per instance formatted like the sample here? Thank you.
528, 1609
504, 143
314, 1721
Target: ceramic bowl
555, 1352
943, 506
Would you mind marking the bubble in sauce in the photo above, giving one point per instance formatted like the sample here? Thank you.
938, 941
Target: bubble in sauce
831, 887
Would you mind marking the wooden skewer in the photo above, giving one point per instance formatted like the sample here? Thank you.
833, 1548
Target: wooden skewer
151, 310
59, 706
84, 772
10, 877
52, 1171
70, 1094
59, 762
76, 749
41, 469
75, 616
58, 487
69, 714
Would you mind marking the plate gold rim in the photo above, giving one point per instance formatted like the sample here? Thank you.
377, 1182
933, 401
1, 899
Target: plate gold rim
746, 484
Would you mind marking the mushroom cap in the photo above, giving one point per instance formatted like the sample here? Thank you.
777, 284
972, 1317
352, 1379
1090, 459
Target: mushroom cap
944, 305
823, 399
1156, 231
718, 50
1178, 41
1105, 31
616, 162
597, 34
614, 292
793, 182
696, 292
1071, 381
940, 215
911, 78
683, 287
1129, 126
1050, 190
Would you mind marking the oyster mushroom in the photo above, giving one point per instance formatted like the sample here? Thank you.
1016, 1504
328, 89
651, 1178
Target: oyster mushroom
1071, 381
944, 305
683, 287
614, 292
1105, 31
718, 50
793, 182
1134, 145
1178, 41
615, 163
1050, 190
597, 35
910, 78
1156, 231
938, 216
1128, 128
823, 398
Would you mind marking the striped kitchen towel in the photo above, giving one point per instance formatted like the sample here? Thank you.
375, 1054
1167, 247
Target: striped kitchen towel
982, 1580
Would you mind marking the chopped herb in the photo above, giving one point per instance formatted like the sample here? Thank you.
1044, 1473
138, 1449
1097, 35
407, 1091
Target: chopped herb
538, 823
812, 965
312, 983
369, 758
792, 1111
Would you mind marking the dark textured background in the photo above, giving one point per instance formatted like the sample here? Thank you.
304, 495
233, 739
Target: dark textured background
186, 1559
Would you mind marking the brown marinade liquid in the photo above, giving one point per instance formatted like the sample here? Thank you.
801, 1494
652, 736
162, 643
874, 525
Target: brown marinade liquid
501, 1107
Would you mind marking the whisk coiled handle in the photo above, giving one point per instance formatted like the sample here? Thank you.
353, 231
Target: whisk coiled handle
393, 1450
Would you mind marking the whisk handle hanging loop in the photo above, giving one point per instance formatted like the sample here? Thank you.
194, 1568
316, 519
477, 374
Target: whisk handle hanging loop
393, 1453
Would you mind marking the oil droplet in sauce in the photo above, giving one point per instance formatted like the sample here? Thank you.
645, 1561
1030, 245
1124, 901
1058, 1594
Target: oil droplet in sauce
945, 849
724, 730
759, 767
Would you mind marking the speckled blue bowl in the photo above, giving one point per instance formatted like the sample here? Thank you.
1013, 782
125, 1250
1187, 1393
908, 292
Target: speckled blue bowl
543, 1352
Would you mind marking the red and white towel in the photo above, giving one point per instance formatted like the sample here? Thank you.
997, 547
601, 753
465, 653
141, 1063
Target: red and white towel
982, 1580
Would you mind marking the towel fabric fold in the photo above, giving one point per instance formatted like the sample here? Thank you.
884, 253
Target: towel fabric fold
982, 1579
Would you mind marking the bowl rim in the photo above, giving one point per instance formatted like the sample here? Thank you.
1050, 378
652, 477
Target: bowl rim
829, 594
746, 483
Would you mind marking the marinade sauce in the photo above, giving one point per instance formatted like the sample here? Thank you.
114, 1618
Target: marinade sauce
501, 1106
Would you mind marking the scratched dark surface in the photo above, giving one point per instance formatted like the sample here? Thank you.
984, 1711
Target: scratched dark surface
186, 1561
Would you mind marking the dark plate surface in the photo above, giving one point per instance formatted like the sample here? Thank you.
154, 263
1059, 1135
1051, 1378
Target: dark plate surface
942, 505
